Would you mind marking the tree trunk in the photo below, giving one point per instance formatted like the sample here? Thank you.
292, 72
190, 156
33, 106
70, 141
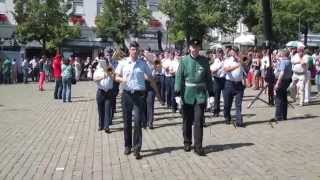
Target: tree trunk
188, 37
44, 47
123, 46
305, 42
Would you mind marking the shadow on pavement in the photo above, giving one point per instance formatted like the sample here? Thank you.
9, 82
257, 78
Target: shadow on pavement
306, 116
159, 151
167, 118
223, 147
83, 100
167, 124
208, 149
78, 97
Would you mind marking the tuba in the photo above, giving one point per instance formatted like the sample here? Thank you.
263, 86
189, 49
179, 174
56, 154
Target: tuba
118, 55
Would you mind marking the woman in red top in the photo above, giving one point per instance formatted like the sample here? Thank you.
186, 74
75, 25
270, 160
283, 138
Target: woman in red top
56, 66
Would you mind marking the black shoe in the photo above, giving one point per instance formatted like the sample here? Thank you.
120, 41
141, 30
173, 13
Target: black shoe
199, 152
127, 151
137, 155
205, 125
107, 130
187, 148
228, 121
100, 129
151, 127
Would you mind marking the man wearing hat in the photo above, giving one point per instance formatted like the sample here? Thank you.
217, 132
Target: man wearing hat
192, 85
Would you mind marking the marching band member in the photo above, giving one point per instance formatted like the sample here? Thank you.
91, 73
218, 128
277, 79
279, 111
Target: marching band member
233, 87
192, 84
219, 80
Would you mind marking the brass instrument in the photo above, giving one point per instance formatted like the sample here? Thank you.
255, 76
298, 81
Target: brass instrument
118, 54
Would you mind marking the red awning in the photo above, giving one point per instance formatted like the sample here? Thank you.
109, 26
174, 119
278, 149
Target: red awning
3, 18
75, 19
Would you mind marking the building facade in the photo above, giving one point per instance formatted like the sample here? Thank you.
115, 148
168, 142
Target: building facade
83, 13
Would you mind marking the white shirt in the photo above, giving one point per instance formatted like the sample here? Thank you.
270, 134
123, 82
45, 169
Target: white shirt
34, 63
174, 65
166, 64
217, 67
296, 65
237, 74
264, 63
133, 72
105, 84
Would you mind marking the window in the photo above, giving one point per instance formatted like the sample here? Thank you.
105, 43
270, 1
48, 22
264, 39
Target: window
78, 7
99, 7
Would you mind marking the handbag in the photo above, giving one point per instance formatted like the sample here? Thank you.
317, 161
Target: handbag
73, 77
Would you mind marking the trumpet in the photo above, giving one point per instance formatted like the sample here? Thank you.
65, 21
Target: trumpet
118, 54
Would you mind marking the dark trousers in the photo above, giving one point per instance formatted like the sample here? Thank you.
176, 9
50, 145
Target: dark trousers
170, 93
35, 74
218, 87
25, 75
104, 108
58, 89
115, 92
193, 114
162, 87
231, 90
150, 97
6, 78
282, 101
133, 102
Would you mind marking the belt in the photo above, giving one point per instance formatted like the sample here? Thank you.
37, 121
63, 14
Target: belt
234, 82
195, 84
135, 92
300, 73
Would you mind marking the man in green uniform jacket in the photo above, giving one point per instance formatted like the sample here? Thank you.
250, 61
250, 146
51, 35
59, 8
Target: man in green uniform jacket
193, 83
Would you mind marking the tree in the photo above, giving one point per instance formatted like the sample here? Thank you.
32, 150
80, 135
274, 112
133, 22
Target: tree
45, 21
119, 19
191, 18
289, 18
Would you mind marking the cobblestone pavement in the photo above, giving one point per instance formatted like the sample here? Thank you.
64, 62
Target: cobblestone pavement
42, 138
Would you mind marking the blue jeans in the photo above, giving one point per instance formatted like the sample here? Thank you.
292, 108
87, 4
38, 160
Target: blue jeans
66, 89
318, 81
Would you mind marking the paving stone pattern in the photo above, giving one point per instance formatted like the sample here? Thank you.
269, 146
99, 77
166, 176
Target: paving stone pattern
42, 138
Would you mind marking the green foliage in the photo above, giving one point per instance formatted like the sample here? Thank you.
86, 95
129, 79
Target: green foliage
43, 21
191, 18
119, 19
286, 15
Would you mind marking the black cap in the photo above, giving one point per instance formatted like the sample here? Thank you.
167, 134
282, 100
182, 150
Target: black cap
195, 42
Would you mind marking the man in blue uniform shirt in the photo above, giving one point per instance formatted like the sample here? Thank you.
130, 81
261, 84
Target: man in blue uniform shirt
132, 73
